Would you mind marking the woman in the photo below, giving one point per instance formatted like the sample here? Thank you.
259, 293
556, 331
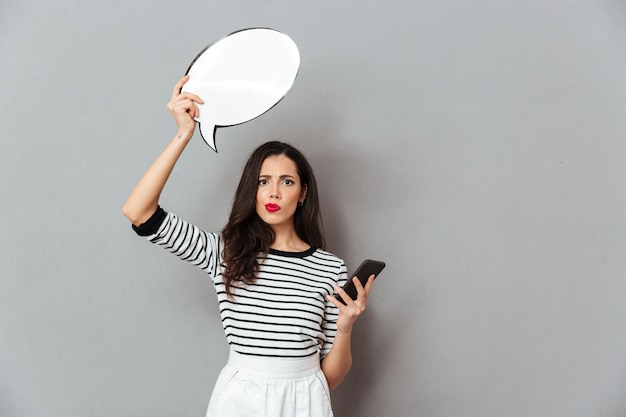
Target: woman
289, 337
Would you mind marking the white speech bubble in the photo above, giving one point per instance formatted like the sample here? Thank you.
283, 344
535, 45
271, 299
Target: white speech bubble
240, 77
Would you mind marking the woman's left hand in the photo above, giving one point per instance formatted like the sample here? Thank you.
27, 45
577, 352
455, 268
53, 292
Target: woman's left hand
350, 312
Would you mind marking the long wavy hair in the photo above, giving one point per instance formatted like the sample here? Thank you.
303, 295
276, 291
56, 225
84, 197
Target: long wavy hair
247, 238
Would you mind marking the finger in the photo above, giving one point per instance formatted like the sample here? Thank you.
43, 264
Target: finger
186, 97
186, 103
354, 307
360, 291
369, 283
336, 302
179, 86
182, 106
344, 295
192, 97
177, 93
195, 111
191, 107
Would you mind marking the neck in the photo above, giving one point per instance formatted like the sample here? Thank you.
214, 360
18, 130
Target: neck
287, 240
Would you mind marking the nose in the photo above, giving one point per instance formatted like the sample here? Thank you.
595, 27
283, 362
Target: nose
275, 193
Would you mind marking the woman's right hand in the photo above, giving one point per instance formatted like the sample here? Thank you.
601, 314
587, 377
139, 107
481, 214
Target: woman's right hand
184, 108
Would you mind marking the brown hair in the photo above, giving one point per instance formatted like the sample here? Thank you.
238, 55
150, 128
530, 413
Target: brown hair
246, 235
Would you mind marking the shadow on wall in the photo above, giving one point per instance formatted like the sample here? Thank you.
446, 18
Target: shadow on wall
369, 350
387, 331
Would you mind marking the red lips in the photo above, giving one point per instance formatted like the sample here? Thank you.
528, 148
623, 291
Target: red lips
271, 207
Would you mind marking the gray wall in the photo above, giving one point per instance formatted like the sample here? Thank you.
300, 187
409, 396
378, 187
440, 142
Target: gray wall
477, 147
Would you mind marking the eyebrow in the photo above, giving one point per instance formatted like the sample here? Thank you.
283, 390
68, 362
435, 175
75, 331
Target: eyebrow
281, 176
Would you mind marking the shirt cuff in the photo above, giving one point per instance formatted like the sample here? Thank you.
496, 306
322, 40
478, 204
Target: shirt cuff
151, 226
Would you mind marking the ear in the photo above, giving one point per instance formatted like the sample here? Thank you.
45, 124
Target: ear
303, 192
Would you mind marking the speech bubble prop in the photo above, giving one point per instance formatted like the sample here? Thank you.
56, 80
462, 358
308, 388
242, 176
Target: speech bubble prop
240, 77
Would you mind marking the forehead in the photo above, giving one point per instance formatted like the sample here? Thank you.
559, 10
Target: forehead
279, 165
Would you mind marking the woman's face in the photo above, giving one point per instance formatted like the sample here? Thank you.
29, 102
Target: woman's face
279, 191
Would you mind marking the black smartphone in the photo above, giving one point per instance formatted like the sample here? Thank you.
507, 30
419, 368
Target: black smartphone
363, 272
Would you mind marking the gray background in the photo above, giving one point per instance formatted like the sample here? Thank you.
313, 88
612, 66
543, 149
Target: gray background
477, 147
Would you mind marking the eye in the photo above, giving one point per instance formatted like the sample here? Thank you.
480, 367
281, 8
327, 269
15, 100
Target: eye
263, 182
288, 182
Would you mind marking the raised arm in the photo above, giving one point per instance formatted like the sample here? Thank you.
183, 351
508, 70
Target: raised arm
144, 199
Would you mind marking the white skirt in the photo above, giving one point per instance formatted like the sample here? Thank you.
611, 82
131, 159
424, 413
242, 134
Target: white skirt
253, 386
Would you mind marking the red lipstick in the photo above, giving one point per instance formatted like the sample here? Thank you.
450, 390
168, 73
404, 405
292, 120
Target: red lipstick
271, 207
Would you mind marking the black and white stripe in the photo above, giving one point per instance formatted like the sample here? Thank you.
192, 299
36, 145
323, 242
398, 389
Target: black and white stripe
285, 312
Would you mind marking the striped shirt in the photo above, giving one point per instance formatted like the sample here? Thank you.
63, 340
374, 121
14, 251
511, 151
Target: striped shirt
284, 313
